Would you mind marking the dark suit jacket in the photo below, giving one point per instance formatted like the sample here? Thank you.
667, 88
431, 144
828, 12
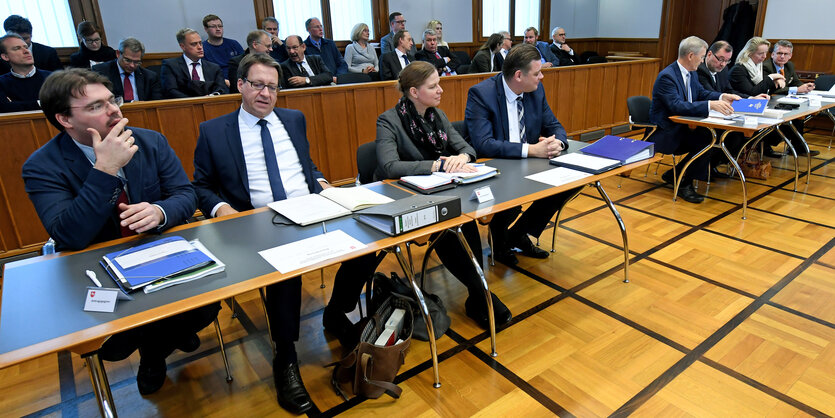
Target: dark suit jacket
792, 80
329, 53
390, 65
563, 56
545, 52
46, 58
398, 156
147, 82
669, 98
232, 70
177, 82
486, 117
386, 45
76, 203
439, 63
321, 77
740, 81
219, 165
481, 62
723, 81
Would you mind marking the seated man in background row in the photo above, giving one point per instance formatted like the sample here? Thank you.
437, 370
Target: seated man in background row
129, 79
392, 62
439, 56
397, 22
561, 50
317, 44
217, 48
547, 58
279, 53
191, 75
508, 116
302, 70
90, 183
257, 42
677, 91
19, 87
46, 58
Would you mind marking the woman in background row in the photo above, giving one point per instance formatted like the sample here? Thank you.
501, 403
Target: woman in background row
359, 55
416, 138
747, 74
438, 27
488, 58
92, 49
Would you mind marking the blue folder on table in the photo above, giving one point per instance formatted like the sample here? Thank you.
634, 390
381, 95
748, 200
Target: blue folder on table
164, 258
625, 150
749, 106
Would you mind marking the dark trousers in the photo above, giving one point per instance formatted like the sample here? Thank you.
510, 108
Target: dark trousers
353, 274
284, 303
159, 339
691, 142
532, 222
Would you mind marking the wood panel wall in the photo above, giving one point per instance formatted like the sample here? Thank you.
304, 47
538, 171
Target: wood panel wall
339, 119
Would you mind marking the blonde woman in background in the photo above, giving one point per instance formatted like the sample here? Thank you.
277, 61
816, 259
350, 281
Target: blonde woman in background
438, 27
747, 75
359, 55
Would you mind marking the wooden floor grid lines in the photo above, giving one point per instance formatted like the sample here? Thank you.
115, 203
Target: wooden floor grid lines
722, 317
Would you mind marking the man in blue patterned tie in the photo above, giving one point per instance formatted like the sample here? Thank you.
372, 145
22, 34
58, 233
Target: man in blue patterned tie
507, 116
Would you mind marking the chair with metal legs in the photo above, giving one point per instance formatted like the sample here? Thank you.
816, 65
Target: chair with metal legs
638, 107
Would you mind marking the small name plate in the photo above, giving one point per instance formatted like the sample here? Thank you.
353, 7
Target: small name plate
750, 121
483, 194
814, 101
100, 300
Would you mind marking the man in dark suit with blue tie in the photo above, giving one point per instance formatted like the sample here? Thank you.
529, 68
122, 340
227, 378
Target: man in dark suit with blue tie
546, 57
129, 79
190, 75
97, 181
247, 159
507, 116
677, 92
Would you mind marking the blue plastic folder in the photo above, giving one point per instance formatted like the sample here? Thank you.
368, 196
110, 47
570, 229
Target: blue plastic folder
164, 258
625, 150
750, 106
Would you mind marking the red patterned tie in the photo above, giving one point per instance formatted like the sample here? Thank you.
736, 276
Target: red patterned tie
439, 57
194, 75
128, 89
123, 198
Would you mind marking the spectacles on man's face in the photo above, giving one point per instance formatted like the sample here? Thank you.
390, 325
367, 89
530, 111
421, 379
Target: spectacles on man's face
130, 61
99, 106
721, 60
257, 85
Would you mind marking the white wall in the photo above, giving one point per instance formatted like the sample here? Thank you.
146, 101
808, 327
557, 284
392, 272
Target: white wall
454, 14
607, 18
799, 19
156, 22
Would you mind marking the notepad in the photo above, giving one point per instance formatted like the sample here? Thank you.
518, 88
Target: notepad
439, 181
331, 203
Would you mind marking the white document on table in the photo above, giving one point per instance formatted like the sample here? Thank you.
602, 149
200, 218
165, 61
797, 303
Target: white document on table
558, 176
309, 251
768, 121
717, 120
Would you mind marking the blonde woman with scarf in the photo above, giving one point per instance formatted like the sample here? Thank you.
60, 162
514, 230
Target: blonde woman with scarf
747, 75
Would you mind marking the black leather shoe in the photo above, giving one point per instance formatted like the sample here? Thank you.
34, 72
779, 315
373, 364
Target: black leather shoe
151, 375
338, 324
668, 177
769, 152
190, 344
528, 249
812, 152
688, 193
476, 309
292, 395
507, 257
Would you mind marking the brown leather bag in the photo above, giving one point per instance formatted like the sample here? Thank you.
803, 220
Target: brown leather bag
754, 167
370, 369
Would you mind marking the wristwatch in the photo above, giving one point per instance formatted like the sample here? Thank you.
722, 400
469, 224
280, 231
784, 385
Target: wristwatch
307, 80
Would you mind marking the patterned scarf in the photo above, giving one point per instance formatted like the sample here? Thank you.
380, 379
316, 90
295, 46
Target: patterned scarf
427, 131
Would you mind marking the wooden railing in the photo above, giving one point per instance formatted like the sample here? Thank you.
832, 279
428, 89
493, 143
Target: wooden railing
339, 119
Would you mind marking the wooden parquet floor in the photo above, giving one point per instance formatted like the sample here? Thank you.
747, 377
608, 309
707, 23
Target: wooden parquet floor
723, 317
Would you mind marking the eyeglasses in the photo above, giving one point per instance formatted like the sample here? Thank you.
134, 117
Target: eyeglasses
400, 21
721, 60
257, 85
782, 54
130, 61
92, 41
215, 26
100, 106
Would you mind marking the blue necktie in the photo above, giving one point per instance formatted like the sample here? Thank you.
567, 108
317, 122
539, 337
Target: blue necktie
272, 164
405, 59
687, 86
520, 110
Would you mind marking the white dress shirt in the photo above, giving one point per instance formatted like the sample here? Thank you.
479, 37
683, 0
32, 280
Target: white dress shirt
199, 68
513, 118
400, 54
307, 68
